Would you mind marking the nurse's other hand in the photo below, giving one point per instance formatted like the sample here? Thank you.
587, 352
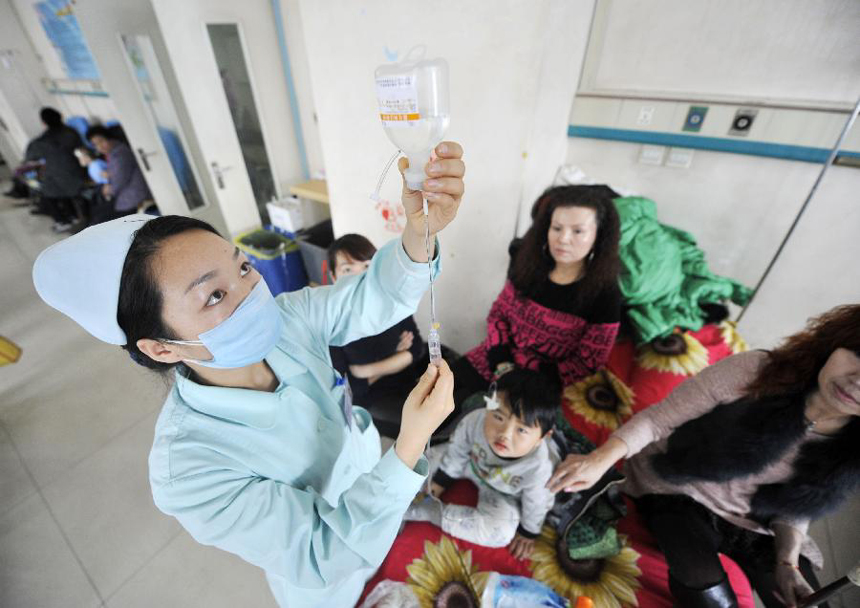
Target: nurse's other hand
443, 189
426, 407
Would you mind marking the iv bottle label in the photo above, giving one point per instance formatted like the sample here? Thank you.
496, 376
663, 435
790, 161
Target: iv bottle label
398, 99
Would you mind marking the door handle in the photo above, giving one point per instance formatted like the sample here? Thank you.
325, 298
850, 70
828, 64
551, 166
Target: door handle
218, 171
144, 156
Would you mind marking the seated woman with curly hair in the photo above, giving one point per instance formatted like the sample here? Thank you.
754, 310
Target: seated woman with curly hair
740, 459
561, 303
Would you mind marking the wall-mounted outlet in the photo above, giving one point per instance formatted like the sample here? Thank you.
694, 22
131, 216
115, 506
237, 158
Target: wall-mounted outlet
646, 115
695, 118
742, 122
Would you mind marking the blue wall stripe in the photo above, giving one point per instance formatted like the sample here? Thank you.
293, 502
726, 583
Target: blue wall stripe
716, 144
82, 93
291, 88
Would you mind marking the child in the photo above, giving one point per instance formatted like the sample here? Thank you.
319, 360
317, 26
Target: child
503, 449
95, 166
382, 369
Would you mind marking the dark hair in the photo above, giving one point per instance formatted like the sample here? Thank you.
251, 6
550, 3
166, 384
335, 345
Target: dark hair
99, 131
139, 308
534, 396
358, 247
792, 368
532, 263
51, 117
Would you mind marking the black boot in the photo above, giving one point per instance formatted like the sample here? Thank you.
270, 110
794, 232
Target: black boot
720, 595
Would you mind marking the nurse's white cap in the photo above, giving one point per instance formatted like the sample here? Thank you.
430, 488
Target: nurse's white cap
80, 276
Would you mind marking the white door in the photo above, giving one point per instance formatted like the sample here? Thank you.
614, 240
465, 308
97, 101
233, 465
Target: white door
19, 107
13, 140
229, 67
125, 41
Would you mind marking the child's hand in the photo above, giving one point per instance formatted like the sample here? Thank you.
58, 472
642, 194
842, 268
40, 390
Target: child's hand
435, 489
521, 547
406, 339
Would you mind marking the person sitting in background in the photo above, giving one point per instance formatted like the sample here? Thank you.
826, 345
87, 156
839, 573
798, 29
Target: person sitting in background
503, 450
561, 303
381, 369
126, 189
61, 177
91, 195
739, 459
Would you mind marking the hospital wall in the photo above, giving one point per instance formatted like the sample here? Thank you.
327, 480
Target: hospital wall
514, 68
32, 75
21, 91
95, 105
739, 208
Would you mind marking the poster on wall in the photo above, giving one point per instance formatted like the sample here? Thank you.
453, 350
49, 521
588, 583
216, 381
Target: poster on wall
62, 28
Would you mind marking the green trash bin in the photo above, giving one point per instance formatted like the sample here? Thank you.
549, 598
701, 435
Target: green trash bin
276, 257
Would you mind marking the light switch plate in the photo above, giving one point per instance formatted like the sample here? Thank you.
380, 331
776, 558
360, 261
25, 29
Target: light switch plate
646, 116
680, 158
652, 155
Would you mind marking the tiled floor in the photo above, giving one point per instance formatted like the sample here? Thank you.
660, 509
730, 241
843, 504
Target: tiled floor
77, 523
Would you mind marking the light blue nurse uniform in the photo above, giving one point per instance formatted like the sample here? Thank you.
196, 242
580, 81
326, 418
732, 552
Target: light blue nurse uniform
282, 479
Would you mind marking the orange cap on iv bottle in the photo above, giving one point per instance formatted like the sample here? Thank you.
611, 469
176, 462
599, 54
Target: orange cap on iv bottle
583, 602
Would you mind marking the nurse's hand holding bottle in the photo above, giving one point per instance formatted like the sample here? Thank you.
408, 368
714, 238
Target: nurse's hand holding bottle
443, 190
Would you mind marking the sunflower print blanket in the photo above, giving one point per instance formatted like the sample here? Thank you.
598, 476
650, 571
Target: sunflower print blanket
447, 572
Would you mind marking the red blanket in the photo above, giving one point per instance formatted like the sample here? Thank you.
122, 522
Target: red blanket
430, 561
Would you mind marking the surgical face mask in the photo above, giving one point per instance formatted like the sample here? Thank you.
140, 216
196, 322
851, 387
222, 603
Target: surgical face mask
246, 336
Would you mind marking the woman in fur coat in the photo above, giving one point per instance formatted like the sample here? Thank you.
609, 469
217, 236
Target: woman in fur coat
740, 459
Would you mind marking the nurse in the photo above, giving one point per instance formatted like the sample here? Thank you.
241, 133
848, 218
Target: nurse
258, 449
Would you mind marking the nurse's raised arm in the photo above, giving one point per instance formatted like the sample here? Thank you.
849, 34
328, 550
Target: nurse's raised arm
398, 275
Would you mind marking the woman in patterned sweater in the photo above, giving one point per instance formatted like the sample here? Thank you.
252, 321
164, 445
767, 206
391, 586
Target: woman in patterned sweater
561, 303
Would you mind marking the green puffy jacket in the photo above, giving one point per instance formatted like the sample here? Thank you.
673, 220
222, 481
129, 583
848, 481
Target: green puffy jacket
664, 277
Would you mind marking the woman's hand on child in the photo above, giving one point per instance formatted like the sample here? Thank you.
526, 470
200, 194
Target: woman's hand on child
406, 340
426, 407
581, 471
576, 472
521, 547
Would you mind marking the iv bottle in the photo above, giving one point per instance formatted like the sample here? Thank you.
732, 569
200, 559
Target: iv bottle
414, 107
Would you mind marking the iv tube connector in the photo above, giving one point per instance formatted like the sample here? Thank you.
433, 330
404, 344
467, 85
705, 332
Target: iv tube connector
434, 346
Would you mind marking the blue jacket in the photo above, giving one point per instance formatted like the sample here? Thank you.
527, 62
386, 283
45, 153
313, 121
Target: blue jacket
282, 479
